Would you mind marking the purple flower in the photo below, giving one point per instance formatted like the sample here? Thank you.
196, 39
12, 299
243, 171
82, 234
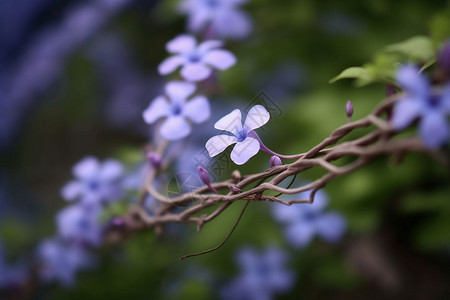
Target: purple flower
196, 60
80, 224
304, 221
421, 102
60, 261
95, 182
177, 111
263, 275
219, 18
246, 146
11, 275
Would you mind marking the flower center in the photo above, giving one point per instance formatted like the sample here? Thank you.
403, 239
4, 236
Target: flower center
176, 109
93, 185
309, 216
194, 57
242, 135
434, 101
212, 3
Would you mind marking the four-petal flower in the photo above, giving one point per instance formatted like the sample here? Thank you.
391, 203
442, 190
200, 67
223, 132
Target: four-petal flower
196, 60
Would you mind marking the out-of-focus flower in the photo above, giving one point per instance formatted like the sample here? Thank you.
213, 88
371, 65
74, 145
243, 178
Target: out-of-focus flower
59, 261
246, 146
11, 276
263, 275
177, 111
304, 221
421, 102
196, 60
219, 18
444, 57
80, 224
95, 183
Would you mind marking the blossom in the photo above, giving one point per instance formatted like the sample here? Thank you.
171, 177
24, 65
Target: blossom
11, 275
220, 18
60, 261
421, 102
263, 275
95, 182
304, 221
196, 60
246, 145
80, 224
177, 110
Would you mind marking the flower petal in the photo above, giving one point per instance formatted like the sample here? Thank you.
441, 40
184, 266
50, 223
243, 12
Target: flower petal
181, 44
175, 127
170, 64
231, 23
256, 117
72, 190
157, 109
195, 71
300, 234
220, 59
405, 111
409, 78
244, 150
218, 143
199, 19
178, 91
446, 99
331, 226
208, 45
231, 122
434, 130
197, 109
87, 168
110, 170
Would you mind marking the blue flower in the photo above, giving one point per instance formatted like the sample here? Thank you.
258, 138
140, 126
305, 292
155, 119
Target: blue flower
263, 275
11, 276
80, 224
219, 18
177, 110
421, 102
304, 221
95, 182
246, 145
61, 261
196, 60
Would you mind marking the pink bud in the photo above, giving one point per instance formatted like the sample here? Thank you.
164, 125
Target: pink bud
349, 110
275, 161
154, 159
234, 189
204, 176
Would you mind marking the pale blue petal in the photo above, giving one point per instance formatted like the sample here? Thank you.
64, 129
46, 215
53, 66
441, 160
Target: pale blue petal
174, 128
319, 204
72, 190
231, 122
434, 130
195, 71
87, 168
405, 112
410, 80
300, 234
157, 109
170, 64
178, 91
199, 19
286, 214
218, 143
244, 150
256, 117
219, 59
208, 45
445, 98
231, 23
110, 170
197, 109
183, 43
331, 226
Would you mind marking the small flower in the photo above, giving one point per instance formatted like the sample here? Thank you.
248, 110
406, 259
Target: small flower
60, 261
263, 275
304, 221
196, 60
177, 110
246, 146
95, 182
420, 102
221, 18
275, 161
349, 110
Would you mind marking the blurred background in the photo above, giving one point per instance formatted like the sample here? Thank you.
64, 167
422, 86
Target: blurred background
75, 77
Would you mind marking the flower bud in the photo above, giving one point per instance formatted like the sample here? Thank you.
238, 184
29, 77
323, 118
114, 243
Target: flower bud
275, 161
118, 223
154, 159
204, 176
349, 110
234, 189
444, 57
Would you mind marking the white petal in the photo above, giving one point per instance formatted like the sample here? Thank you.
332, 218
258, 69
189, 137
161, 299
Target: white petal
72, 190
157, 109
219, 59
231, 122
181, 44
256, 117
170, 64
110, 170
195, 72
86, 168
178, 91
218, 143
208, 45
244, 150
197, 109
175, 128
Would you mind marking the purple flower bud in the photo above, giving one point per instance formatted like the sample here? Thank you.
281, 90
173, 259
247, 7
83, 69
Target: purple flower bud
275, 161
204, 176
154, 159
234, 189
118, 222
444, 57
349, 110
390, 90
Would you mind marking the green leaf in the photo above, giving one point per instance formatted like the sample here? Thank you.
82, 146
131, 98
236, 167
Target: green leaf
353, 72
416, 48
